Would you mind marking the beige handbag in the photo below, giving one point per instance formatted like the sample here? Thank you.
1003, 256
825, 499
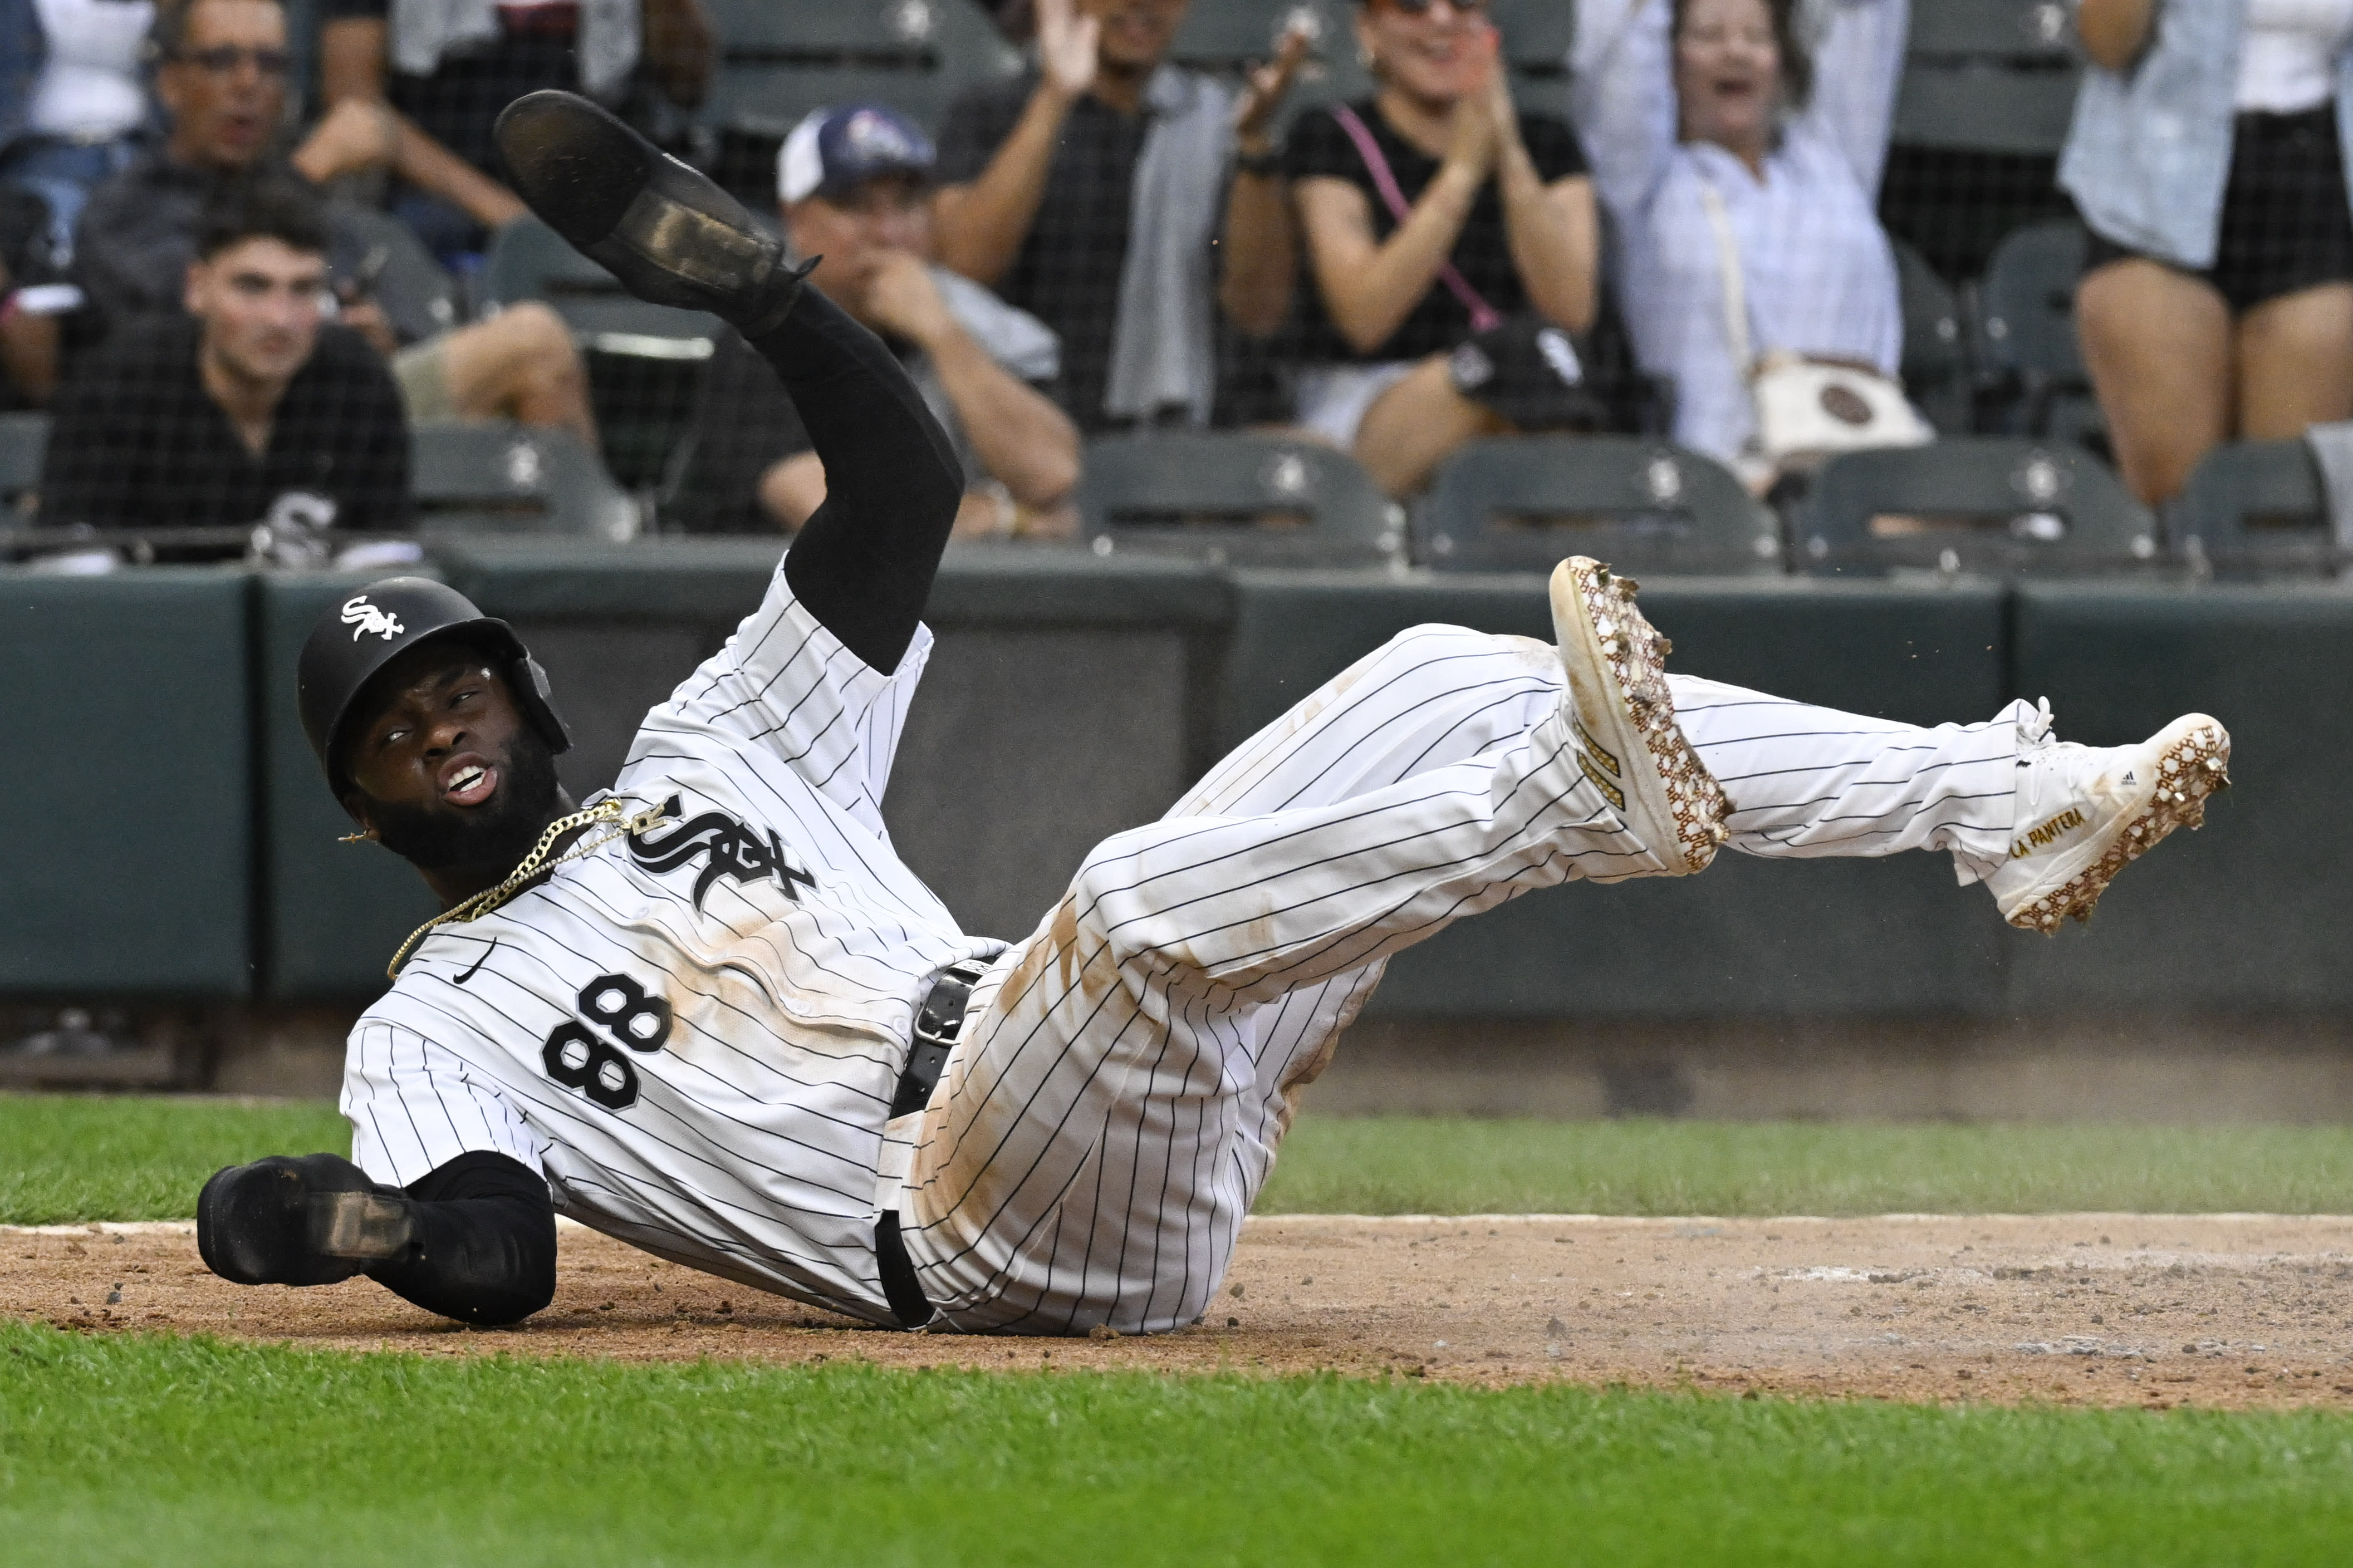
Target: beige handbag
1808, 410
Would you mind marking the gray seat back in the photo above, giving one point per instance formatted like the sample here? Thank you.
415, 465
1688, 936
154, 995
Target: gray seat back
1988, 76
1248, 500
779, 59
1520, 503
1995, 505
529, 260
23, 446
485, 479
1936, 366
1228, 37
2258, 509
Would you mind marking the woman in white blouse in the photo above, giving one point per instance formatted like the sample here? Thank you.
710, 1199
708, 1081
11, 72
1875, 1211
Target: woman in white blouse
2207, 159
1678, 98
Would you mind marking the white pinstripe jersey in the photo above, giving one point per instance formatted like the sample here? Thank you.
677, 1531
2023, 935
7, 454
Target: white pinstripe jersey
694, 1033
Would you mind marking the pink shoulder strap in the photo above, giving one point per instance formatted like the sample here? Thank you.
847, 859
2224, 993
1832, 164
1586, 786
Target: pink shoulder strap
1484, 316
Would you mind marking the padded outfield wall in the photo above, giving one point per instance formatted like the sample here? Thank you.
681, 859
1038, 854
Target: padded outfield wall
166, 836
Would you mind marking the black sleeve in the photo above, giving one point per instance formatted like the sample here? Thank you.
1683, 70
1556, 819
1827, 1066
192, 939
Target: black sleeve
485, 1242
1317, 148
863, 563
91, 472
977, 125
1553, 147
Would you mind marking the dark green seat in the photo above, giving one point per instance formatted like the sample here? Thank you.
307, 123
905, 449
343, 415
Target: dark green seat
529, 260
1520, 503
2023, 32
474, 478
644, 361
1936, 369
24, 444
779, 59
1979, 106
1988, 76
1249, 499
2026, 332
1228, 37
2258, 508
1987, 504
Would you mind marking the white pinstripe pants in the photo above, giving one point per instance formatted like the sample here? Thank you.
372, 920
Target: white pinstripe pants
1126, 1073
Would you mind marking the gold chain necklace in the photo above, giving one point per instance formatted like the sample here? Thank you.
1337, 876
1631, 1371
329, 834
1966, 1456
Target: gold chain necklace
608, 810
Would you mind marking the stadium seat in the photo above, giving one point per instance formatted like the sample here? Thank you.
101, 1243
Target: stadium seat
24, 442
1988, 76
644, 361
780, 58
1227, 36
2258, 509
1538, 35
529, 260
1987, 504
1254, 500
2026, 335
1520, 503
475, 478
1937, 367
2022, 32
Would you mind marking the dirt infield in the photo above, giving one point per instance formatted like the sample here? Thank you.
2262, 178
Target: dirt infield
2158, 1311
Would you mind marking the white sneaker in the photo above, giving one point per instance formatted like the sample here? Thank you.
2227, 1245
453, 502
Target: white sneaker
1624, 719
2085, 813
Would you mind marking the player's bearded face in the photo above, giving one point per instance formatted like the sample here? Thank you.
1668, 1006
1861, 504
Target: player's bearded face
497, 834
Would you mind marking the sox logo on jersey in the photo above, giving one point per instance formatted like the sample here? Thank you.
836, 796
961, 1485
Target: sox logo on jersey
736, 853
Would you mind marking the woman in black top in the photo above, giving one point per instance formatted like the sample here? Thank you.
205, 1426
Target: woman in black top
1454, 323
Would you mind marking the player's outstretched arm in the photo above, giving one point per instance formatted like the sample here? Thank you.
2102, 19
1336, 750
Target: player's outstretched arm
863, 563
473, 1239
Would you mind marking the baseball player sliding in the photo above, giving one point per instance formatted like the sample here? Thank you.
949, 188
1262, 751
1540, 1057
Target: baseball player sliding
712, 1014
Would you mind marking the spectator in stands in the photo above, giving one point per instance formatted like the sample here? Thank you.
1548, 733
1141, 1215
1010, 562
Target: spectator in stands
1718, 138
72, 108
1452, 243
246, 408
1088, 192
854, 185
449, 68
2217, 300
222, 77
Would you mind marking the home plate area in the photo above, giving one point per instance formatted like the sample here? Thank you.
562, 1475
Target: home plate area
2212, 1311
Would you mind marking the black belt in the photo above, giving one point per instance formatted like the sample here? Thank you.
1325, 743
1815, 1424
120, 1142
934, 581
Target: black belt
938, 1024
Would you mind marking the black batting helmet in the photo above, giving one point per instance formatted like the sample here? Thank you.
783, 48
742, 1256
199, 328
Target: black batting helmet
385, 620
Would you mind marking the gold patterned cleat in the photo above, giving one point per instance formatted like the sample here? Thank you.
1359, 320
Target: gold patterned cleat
2086, 814
1632, 748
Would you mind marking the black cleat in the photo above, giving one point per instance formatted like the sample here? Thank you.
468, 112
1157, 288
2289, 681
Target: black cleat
668, 233
313, 1220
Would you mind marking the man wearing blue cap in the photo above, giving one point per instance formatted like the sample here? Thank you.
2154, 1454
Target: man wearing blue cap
853, 185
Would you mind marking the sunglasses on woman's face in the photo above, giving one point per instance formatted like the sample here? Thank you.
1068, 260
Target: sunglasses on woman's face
1423, 8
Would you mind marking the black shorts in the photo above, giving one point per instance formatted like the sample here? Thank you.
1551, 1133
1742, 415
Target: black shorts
2287, 224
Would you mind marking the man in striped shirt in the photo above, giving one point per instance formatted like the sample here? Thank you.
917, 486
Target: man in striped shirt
712, 1014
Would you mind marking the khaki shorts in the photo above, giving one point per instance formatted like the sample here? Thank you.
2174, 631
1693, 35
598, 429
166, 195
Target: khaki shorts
422, 369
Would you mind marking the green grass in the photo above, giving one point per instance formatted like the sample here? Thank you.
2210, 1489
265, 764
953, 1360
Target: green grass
1400, 1165
65, 1158
68, 1158
139, 1450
